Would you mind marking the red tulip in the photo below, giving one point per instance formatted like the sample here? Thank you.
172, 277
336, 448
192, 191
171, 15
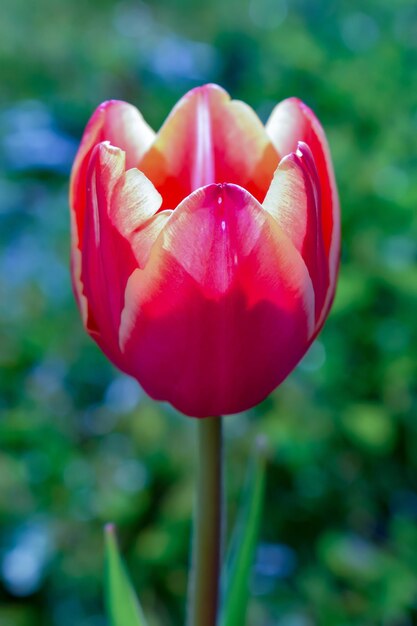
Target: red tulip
204, 257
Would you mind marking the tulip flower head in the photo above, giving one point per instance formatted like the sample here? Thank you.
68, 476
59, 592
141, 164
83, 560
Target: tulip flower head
205, 256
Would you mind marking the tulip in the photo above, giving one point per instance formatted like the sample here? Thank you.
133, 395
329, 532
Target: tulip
205, 256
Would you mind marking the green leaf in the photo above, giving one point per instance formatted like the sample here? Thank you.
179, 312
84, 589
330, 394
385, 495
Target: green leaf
123, 607
235, 579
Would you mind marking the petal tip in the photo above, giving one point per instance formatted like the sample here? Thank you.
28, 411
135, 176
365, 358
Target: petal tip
104, 152
208, 88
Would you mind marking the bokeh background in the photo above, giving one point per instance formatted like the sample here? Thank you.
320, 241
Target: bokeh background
81, 445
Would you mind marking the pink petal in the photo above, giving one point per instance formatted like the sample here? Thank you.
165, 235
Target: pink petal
122, 125
290, 122
134, 213
294, 199
209, 138
223, 310
118, 205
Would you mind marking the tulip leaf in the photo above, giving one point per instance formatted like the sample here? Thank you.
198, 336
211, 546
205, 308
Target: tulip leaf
238, 568
123, 607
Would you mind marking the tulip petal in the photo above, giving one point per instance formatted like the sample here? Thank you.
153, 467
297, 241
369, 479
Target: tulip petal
134, 212
294, 199
290, 122
119, 205
122, 125
223, 310
209, 138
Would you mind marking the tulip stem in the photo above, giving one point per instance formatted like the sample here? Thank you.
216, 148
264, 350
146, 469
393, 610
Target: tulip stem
206, 549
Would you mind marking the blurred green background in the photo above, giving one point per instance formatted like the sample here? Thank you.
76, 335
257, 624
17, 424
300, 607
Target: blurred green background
81, 445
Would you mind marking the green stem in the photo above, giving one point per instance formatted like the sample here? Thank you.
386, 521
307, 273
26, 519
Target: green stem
206, 559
